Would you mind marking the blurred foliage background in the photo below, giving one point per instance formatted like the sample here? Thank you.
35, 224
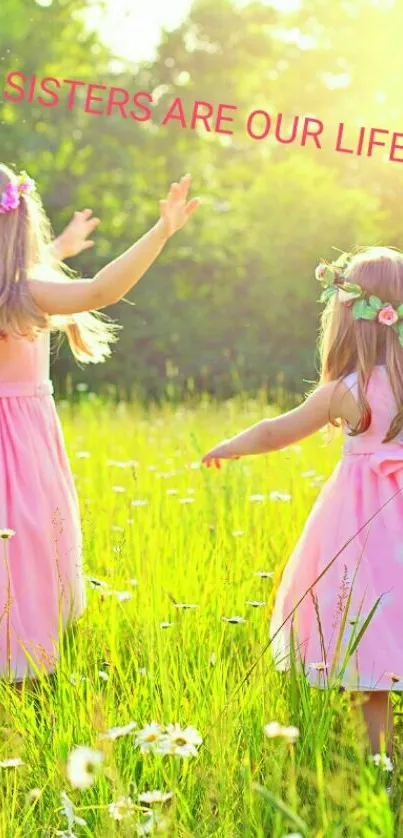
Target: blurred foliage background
231, 304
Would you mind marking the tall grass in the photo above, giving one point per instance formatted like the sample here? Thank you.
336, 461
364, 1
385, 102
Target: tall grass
166, 532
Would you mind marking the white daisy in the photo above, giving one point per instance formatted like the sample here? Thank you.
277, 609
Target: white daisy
139, 502
67, 809
264, 574
255, 603
281, 496
14, 762
237, 533
257, 498
234, 620
321, 666
166, 625
119, 489
181, 741
6, 533
382, 761
148, 737
273, 730
115, 732
83, 455
83, 764
121, 809
103, 675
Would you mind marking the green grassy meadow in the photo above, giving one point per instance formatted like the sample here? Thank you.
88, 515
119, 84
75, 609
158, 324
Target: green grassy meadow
160, 530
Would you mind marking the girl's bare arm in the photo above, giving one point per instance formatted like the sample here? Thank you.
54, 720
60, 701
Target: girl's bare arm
117, 278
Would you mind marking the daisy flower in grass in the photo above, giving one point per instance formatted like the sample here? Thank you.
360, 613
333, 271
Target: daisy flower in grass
116, 732
321, 666
121, 809
148, 738
274, 730
235, 619
183, 742
83, 765
382, 761
14, 762
67, 809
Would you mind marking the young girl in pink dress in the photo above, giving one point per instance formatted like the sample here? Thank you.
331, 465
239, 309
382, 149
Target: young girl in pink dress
41, 579
348, 564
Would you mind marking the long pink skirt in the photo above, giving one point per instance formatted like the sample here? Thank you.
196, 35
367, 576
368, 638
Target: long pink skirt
41, 580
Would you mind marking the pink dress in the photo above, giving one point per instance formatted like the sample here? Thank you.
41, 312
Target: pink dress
41, 580
367, 482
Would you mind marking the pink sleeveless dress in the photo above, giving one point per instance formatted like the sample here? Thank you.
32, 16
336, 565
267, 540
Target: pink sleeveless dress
41, 580
367, 482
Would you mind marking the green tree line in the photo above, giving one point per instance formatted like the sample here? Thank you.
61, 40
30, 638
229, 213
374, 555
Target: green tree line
231, 303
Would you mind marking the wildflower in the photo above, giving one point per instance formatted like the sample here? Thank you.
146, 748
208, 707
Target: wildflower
237, 533
83, 455
150, 797
281, 496
181, 742
82, 766
33, 794
234, 620
382, 761
67, 810
148, 737
255, 603
264, 574
14, 762
6, 533
186, 500
139, 502
133, 582
256, 498
115, 528
103, 675
119, 489
321, 666
274, 730
115, 732
172, 491
166, 625
121, 596
121, 809
393, 677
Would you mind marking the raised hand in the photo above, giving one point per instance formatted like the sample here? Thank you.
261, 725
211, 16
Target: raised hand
75, 237
176, 209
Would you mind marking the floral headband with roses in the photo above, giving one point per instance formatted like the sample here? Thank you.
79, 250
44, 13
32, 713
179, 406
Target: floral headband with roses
331, 276
11, 196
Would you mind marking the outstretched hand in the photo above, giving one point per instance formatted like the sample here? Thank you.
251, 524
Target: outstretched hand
220, 452
176, 209
75, 237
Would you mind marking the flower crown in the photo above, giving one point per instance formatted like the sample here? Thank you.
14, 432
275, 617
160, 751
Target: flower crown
11, 197
332, 276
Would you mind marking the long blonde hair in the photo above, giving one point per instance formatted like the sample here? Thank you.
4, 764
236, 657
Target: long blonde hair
348, 345
25, 252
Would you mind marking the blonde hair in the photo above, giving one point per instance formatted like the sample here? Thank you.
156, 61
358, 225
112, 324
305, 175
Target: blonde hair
25, 252
348, 345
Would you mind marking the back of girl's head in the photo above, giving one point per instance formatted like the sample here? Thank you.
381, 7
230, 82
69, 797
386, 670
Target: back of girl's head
358, 345
24, 236
25, 253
